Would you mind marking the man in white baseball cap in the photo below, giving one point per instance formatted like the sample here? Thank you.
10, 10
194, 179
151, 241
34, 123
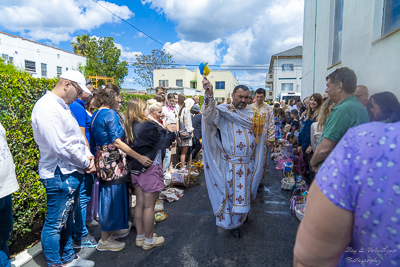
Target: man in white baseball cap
76, 76
64, 159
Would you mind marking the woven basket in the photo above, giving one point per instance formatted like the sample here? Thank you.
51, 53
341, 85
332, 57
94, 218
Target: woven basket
299, 213
287, 183
186, 177
301, 184
297, 198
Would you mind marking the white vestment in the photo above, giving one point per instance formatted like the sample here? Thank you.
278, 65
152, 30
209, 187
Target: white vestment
233, 162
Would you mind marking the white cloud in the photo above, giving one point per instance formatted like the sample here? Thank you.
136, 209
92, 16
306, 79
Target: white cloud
126, 53
140, 35
57, 20
239, 47
251, 31
254, 79
198, 51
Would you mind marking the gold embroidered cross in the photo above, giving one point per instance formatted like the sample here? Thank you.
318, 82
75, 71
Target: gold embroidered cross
241, 146
240, 199
240, 173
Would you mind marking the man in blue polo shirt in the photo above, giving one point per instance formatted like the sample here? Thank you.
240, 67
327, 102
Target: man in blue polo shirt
82, 237
349, 112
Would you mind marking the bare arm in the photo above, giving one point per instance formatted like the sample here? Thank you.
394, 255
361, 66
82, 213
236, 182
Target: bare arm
322, 152
323, 234
145, 161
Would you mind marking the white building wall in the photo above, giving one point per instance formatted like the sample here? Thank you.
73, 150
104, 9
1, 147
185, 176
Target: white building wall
281, 77
21, 49
375, 59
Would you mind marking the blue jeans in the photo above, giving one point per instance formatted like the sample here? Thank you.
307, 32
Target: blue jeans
167, 159
85, 191
6, 227
62, 195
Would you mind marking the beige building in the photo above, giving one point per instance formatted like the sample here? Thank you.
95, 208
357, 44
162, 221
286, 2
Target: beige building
184, 79
361, 35
285, 70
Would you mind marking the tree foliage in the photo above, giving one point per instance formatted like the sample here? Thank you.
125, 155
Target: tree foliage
103, 59
145, 64
81, 45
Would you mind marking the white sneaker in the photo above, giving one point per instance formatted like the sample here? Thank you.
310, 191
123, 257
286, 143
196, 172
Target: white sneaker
110, 245
120, 233
79, 262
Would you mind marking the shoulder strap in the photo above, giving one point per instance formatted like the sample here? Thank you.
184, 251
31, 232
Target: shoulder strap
91, 125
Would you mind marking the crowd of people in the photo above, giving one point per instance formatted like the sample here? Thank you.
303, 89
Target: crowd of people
93, 157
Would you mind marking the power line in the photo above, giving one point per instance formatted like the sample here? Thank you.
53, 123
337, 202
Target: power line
96, 1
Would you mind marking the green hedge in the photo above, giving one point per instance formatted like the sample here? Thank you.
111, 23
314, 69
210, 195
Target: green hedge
19, 92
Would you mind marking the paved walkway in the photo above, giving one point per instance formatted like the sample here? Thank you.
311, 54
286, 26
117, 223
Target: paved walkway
192, 239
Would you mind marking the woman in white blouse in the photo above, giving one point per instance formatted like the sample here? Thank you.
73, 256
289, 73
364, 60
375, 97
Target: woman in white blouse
185, 126
170, 114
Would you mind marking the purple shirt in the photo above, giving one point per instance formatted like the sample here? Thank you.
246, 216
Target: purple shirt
362, 175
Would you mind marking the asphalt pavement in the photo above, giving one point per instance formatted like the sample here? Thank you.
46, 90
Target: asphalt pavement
193, 239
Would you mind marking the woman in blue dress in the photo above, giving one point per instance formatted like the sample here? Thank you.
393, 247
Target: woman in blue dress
113, 203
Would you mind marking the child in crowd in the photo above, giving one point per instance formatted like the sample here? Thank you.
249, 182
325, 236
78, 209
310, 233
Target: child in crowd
294, 149
295, 128
279, 116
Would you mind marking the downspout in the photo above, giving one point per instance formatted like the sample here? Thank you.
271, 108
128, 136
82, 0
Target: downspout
315, 43
276, 78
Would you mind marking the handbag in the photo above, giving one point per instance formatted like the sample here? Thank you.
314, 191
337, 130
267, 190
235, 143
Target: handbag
182, 129
110, 162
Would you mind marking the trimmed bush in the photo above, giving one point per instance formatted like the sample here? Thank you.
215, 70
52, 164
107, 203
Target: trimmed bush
19, 92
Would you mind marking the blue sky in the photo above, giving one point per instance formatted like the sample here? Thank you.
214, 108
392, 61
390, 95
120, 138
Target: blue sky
223, 32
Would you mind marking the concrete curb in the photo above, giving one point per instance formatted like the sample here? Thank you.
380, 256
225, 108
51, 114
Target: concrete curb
26, 255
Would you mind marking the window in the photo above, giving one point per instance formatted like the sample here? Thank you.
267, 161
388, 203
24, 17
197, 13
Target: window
287, 87
66, 69
59, 71
4, 57
179, 83
58, 56
163, 83
10, 60
337, 32
287, 67
193, 84
44, 70
270, 93
30, 66
220, 85
391, 16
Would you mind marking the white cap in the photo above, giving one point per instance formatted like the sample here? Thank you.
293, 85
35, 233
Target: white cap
76, 76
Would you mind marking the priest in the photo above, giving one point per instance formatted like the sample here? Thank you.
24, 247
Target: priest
233, 154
